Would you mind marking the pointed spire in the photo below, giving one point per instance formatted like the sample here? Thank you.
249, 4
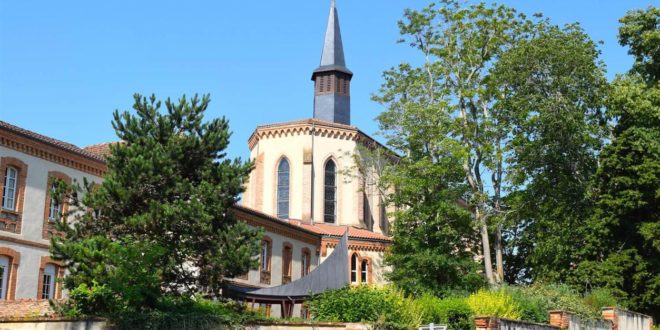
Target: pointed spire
332, 78
333, 50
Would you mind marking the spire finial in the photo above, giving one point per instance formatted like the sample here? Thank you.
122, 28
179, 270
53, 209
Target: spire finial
332, 3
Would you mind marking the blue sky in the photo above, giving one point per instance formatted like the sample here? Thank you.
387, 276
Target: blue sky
65, 66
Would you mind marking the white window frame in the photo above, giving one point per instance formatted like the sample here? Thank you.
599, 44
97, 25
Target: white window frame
364, 271
265, 257
55, 208
4, 277
10, 189
355, 262
48, 286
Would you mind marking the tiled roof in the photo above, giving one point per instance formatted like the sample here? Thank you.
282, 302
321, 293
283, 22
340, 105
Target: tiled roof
323, 229
48, 140
338, 230
309, 121
100, 149
24, 308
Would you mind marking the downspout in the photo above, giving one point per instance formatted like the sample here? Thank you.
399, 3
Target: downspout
311, 218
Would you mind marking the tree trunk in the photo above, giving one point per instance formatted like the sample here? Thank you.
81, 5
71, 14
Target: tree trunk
498, 254
485, 242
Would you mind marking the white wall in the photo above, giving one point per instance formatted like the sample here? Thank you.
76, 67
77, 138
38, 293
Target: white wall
293, 146
33, 218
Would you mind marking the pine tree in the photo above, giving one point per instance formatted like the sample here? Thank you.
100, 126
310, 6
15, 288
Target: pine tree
159, 225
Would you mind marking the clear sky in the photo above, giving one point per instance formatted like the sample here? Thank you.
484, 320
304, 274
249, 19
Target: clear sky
65, 66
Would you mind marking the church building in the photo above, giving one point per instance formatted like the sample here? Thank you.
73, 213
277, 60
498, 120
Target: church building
305, 192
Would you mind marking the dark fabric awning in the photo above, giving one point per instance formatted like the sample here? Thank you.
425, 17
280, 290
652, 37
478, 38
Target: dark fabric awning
331, 274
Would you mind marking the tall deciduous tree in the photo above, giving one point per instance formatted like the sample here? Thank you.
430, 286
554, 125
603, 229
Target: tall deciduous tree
443, 109
625, 250
551, 89
159, 224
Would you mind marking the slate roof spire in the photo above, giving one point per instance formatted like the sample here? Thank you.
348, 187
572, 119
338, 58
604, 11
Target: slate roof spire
332, 77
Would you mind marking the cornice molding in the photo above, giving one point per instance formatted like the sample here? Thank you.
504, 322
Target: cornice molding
276, 226
51, 153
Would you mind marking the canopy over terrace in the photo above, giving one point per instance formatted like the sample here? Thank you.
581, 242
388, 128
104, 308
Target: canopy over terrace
331, 274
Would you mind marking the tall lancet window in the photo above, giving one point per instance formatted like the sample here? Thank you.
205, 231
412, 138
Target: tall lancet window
283, 189
330, 192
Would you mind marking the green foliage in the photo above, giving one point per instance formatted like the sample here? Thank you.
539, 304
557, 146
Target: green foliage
600, 297
185, 313
561, 297
494, 303
624, 249
386, 307
453, 311
639, 30
158, 226
552, 89
531, 307
86, 301
439, 114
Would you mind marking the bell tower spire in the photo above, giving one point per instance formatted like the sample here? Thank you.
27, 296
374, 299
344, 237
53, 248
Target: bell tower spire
332, 101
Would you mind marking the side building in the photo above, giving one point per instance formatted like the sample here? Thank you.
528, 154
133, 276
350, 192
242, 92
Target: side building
28, 164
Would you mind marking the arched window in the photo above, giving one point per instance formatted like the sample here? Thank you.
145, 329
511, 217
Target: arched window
330, 192
4, 276
48, 284
354, 268
364, 271
9, 191
283, 189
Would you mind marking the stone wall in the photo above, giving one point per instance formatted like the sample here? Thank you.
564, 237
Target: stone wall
627, 320
53, 325
570, 321
496, 323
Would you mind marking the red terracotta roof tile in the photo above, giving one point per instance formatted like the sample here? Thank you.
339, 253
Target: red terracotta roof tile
324, 229
101, 149
339, 230
48, 140
24, 308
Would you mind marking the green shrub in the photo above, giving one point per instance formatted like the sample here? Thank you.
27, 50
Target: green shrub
456, 313
186, 313
531, 307
494, 303
386, 308
561, 296
87, 301
600, 297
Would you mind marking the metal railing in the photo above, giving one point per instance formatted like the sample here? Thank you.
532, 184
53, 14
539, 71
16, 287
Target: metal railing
433, 326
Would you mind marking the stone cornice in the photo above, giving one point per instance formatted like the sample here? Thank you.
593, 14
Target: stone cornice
355, 245
273, 225
317, 127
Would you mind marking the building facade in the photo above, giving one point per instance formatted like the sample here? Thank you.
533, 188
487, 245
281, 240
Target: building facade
29, 164
305, 192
